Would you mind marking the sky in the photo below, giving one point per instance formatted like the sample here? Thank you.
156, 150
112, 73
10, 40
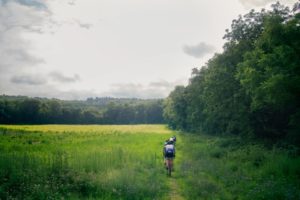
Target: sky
75, 49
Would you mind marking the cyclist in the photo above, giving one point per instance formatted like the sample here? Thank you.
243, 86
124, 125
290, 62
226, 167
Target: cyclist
169, 153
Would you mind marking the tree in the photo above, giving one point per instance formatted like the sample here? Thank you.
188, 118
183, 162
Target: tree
29, 111
270, 74
175, 108
252, 88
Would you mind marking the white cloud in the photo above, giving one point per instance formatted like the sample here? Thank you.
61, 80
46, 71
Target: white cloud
16, 60
72, 2
135, 43
28, 79
20, 72
38, 4
82, 24
157, 89
59, 77
254, 3
199, 50
260, 3
153, 90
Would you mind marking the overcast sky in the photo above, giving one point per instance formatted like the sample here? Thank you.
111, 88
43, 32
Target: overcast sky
74, 49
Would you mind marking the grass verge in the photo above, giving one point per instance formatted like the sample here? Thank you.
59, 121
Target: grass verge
225, 168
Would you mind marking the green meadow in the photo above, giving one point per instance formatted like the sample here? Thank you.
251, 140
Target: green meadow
219, 167
82, 162
125, 162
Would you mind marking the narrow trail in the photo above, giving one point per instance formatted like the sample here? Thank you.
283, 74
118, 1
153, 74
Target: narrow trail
174, 190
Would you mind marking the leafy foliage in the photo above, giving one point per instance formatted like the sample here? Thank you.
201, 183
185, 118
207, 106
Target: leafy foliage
252, 88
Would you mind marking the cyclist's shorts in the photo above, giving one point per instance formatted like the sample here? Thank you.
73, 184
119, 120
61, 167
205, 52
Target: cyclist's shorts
169, 157
169, 154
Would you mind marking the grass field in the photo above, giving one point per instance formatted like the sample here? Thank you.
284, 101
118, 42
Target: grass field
216, 167
125, 162
75, 162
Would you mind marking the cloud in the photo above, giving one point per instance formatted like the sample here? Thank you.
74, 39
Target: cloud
72, 2
254, 3
20, 73
199, 50
48, 91
260, 3
59, 77
53, 92
28, 80
41, 79
29, 85
17, 18
157, 89
161, 84
39, 4
83, 25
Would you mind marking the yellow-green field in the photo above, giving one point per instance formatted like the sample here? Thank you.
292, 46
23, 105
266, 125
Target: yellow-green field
98, 129
125, 162
78, 162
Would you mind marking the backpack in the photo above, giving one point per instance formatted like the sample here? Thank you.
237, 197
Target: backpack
169, 151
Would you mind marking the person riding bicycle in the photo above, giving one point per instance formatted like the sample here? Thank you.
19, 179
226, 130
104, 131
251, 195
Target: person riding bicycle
169, 150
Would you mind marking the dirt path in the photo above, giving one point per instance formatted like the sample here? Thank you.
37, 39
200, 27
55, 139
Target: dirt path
174, 190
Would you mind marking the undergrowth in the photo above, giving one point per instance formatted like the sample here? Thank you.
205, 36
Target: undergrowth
214, 167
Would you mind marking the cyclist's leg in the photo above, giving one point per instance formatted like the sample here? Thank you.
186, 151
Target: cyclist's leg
172, 164
168, 166
166, 162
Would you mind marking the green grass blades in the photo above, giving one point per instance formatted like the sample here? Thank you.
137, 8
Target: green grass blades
225, 168
82, 162
125, 162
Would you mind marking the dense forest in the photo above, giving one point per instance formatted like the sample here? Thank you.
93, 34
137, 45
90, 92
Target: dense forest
250, 89
26, 110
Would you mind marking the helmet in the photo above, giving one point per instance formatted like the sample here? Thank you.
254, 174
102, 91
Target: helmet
170, 142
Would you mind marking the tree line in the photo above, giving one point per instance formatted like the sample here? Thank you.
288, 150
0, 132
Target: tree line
26, 110
252, 88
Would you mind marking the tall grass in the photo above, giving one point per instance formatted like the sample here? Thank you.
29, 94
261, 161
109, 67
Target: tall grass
224, 168
125, 162
76, 162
